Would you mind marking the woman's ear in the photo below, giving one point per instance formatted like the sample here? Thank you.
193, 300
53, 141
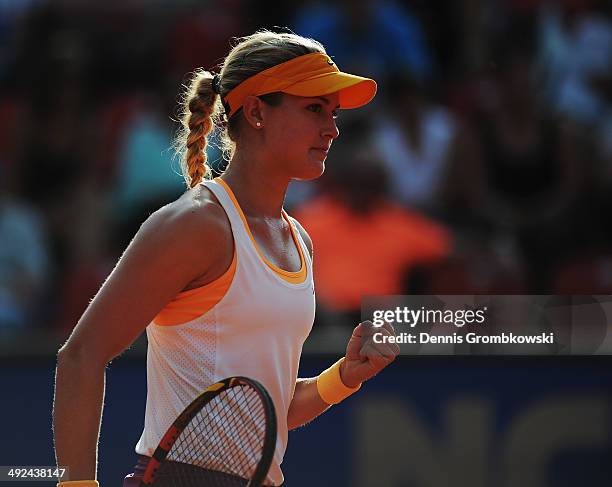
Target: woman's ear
253, 109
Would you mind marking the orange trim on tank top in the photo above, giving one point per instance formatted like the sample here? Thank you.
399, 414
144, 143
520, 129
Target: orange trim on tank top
293, 277
188, 305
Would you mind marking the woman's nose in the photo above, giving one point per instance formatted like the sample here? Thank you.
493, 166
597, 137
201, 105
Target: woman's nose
331, 130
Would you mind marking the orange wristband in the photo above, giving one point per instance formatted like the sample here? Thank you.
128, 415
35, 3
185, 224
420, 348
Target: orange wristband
330, 386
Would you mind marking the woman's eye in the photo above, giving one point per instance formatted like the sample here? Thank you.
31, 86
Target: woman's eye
317, 108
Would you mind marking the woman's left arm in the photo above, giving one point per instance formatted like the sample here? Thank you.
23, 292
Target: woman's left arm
365, 357
306, 403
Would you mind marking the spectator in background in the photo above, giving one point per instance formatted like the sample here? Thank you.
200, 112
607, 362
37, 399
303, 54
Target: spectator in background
365, 243
56, 174
416, 140
147, 176
529, 175
368, 36
50, 171
24, 261
576, 59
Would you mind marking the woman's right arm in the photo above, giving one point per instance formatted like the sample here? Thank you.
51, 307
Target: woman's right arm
177, 244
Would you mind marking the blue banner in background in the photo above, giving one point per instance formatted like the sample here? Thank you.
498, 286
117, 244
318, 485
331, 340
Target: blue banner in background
422, 422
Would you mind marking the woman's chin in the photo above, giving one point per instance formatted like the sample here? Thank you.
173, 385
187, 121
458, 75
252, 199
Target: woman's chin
314, 171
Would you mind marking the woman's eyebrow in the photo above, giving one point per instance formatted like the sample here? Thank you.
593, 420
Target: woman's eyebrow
325, 100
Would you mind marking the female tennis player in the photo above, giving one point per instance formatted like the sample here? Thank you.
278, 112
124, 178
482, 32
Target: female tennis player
221, 279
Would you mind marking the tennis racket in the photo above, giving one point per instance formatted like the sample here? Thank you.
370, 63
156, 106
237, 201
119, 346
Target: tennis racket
225, 438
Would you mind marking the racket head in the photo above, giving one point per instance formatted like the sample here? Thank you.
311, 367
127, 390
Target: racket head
215, 394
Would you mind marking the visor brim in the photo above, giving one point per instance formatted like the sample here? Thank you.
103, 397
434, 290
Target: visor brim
354, 91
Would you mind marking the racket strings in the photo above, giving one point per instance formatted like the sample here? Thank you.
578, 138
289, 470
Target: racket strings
222, 444
243, 446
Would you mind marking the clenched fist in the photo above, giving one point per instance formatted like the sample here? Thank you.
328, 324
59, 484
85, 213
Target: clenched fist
365, 358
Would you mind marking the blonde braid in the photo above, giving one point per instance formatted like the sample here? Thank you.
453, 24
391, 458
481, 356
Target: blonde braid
200, 108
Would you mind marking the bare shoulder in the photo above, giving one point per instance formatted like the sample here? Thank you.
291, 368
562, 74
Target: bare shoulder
189, 240
186, 241
304, 234
194, 221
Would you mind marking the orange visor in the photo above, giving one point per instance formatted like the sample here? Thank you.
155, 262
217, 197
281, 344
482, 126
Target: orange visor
308, 75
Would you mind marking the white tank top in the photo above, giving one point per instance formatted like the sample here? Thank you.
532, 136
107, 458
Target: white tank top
257, 330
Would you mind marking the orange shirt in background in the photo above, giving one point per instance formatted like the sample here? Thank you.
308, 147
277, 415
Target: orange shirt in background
357, 255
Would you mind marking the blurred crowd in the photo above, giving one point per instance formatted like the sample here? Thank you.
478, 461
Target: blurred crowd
484, 165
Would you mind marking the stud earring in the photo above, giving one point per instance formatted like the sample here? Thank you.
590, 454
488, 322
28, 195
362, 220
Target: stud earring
258, 124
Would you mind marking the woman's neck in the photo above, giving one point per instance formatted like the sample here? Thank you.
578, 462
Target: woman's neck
258, 191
